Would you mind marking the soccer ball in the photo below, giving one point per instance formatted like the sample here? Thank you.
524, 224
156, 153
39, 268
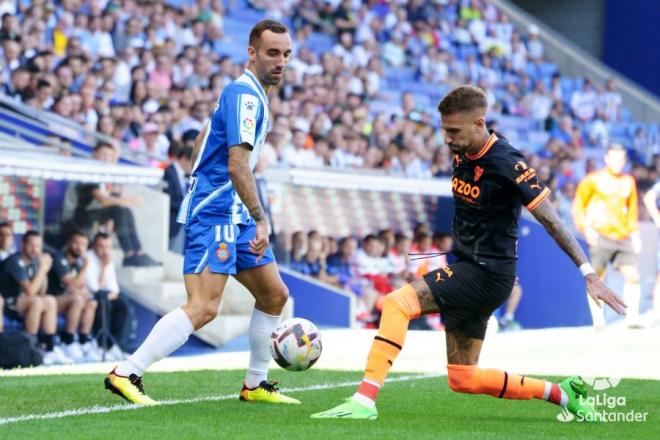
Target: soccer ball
296, 344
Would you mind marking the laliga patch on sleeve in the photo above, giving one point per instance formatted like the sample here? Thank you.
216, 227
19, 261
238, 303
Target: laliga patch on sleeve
247, 117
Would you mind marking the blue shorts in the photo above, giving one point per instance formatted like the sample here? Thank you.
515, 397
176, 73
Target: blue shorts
224, 248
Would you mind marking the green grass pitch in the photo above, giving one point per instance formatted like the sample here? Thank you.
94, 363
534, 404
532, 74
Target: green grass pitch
417, 408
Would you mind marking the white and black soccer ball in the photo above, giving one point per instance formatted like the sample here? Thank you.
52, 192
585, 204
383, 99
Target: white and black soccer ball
296, 344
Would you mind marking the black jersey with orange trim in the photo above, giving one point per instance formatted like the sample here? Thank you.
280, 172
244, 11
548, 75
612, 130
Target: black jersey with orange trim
489, 190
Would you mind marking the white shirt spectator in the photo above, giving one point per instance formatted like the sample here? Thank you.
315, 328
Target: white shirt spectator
478, 30
368, 265
93, 275
609, 104
538, 105
394, 54
583, 104
304, 158
519, 56
343, 159
535, 48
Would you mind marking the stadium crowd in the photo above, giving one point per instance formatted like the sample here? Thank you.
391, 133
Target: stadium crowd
148, 74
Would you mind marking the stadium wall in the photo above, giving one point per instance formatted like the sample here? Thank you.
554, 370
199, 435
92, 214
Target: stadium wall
631, 41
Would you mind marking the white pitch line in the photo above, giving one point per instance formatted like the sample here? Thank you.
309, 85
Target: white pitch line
126, 407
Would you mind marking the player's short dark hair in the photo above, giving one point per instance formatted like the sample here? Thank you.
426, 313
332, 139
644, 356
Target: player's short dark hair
100, 236
616, 147
28, 234
463, 99
265, 25
103, 144
185, 151
5, 224
77, 233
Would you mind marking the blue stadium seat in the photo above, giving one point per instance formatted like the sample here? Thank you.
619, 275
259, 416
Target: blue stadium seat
320, 43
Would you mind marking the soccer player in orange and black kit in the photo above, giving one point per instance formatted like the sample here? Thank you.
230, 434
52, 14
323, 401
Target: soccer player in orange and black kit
605, 211
490, 183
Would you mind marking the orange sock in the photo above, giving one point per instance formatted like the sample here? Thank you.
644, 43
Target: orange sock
399, 307
474, 380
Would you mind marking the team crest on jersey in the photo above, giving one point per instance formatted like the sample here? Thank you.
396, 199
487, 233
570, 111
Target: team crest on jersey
222, 252
250, 105
520, 166
478, 171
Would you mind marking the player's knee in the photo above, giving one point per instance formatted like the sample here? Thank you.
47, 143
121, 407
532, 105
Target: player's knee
78, 302
281, 295
49, 302
35, 303
91, 305
463, 381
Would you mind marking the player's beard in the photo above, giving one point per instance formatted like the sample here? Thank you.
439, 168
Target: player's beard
273, 80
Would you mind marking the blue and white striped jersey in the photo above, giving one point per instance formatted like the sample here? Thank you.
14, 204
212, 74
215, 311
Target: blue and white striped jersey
241, 115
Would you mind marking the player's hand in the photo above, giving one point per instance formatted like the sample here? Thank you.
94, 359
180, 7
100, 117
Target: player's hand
636, 242
591, 236
45, 261
599, 291
259, 243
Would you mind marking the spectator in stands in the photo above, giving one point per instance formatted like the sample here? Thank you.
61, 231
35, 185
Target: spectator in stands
313, 263
538, 104
298, 250
534, 44
148, 143
371, 264
427, 260
400, 260
609, 103
11, 28
605, 211
6, 241
18, 86
341, 266
297, 155
584, 101
66, 282
175, 184
101, 281
23, 283
97, 204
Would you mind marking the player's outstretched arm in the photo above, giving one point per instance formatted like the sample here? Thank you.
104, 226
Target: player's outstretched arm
242, 178
546, 214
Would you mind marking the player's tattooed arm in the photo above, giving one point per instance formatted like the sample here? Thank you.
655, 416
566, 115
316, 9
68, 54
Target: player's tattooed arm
243, 180
546, 214
198, 143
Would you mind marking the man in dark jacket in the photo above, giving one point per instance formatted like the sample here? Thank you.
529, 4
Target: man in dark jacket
175, 184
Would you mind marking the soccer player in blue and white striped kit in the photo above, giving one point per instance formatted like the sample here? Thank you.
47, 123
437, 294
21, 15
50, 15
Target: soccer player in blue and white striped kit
226, 230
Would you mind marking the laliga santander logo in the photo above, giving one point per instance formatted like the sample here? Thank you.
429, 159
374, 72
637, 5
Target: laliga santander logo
248, 124
597, 384
602, 383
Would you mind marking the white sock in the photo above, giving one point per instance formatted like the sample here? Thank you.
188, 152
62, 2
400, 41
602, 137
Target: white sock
508, 316
169, 333
364, 400
546, 394
631, 296
597, 313
261, 327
